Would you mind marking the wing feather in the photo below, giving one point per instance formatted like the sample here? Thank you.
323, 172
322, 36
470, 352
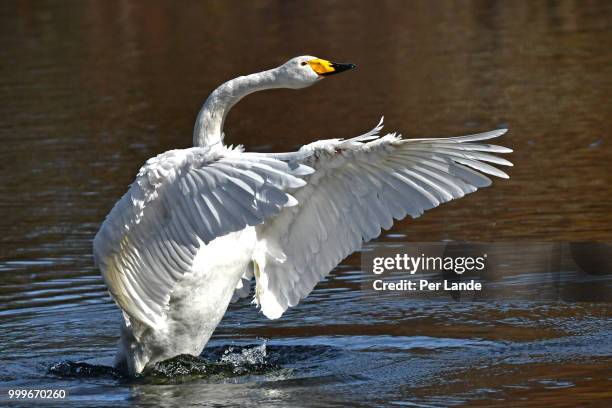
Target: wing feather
180, 199
358, 187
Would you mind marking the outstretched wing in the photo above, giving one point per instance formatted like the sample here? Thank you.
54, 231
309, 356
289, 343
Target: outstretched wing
359, 186
180, 200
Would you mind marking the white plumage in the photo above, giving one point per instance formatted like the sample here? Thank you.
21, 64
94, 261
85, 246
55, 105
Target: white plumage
198, 224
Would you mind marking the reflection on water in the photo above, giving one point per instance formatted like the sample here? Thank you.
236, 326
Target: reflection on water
90, 90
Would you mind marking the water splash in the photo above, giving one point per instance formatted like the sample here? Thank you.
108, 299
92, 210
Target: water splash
234, 361
243, 359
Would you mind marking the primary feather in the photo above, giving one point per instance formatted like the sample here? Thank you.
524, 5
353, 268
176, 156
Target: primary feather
360, 186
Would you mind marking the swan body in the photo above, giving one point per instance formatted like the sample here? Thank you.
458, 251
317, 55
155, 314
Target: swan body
198, 224
198, 302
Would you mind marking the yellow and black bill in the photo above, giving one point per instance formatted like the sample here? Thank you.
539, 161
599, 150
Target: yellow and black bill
325, 68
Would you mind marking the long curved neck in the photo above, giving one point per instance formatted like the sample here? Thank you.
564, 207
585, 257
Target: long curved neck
208, 129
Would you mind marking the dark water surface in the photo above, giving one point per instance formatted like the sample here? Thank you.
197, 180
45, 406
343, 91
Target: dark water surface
90, 90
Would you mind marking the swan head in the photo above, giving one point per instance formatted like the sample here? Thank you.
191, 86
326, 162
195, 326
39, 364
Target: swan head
300, 72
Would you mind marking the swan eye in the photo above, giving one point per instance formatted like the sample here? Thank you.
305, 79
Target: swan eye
303, 63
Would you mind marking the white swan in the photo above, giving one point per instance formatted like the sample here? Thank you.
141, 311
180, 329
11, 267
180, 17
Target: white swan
197, 224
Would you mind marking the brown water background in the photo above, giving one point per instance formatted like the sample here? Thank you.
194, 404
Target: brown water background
91, 89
